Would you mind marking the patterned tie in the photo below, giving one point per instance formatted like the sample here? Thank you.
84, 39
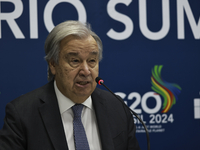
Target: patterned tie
80, 138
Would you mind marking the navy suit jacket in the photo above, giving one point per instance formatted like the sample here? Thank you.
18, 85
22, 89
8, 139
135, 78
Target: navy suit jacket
33, 122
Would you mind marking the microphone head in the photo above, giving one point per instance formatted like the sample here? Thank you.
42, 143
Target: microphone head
99, 80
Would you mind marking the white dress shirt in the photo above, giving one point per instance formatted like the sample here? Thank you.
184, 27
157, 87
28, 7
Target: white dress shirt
88, 119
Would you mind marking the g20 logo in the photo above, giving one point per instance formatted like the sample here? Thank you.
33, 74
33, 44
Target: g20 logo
162, 90
154, 116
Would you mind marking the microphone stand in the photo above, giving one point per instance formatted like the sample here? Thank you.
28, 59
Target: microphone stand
147, 133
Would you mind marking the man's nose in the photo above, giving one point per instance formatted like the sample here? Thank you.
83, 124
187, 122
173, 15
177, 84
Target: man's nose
85, 69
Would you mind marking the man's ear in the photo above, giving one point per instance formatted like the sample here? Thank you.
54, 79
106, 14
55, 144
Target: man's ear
52, 66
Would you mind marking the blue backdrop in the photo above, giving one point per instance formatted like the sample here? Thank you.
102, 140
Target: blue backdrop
151, 58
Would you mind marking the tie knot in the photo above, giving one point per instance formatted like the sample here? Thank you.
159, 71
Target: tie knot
77, 110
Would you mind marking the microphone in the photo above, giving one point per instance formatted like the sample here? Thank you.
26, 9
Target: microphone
101, 82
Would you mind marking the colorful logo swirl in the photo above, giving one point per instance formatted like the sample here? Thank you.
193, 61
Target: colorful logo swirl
169, 91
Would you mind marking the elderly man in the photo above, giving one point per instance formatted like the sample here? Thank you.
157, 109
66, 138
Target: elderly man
69, 112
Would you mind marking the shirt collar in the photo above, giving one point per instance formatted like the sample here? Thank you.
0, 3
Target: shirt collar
65, 103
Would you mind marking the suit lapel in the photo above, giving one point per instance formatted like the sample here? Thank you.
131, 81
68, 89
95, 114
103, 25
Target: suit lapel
51, 117
50, 114
102, 120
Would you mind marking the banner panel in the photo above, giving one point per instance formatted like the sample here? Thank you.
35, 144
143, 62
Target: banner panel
151, 58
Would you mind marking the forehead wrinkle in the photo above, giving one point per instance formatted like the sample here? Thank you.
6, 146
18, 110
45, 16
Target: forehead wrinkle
95, 53
73, 49
81, 46
72, 54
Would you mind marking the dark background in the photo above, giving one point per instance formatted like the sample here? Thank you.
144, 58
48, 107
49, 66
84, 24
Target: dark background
126, 66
